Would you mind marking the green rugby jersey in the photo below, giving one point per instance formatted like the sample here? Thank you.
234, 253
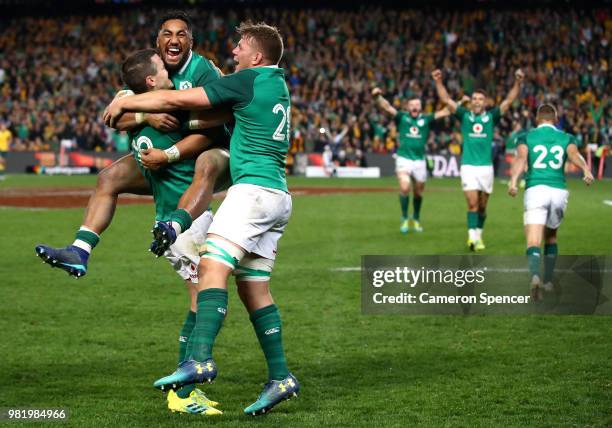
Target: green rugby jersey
261, 105
547, 153
413, 134
169, 183
477, 132
199, 71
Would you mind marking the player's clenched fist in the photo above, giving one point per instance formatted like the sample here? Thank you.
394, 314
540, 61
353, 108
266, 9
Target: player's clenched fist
588, 177
376, 92
436, 75
519, 75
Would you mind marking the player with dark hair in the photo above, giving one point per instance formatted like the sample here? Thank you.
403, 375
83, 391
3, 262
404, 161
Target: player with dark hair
413, 128
244, 235
477, 125
186, 69
544, 151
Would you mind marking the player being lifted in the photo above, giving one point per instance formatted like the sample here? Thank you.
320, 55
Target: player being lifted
186, 69
477, 126
413, 127
544, 150
245, 231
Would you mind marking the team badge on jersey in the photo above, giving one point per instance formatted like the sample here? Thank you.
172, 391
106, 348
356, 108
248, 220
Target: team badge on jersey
143, 143
185, 84
477, 128
485, 118
420, 122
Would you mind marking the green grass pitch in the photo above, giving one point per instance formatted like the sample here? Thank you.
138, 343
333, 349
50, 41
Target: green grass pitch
95, 345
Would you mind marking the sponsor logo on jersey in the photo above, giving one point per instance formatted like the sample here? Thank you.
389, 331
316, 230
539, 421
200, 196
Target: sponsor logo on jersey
477, 128
222, 311
272, 331
185, 84
414, 130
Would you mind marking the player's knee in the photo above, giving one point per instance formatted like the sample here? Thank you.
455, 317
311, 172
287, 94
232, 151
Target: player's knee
208, 165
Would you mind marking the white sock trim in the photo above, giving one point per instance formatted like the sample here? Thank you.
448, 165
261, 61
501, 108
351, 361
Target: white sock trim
86, 229
177, 227
82, 245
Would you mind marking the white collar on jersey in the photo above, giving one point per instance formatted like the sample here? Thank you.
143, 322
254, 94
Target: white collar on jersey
549, 125
184, 67
270, 66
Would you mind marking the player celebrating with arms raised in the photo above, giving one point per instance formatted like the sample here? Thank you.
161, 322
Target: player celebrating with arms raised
477, 125
245, 231
413, 128
544, 151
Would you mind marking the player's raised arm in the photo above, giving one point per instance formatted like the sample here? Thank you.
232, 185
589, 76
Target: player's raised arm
444, 112
383, 103
518, 167
514, 92
576, 158
161, 121
442, 92
157, 102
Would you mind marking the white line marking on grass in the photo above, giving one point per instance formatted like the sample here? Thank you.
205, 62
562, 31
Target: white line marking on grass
607, 202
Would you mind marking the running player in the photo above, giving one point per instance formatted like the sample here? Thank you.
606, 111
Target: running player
413, 128
187, 69
244, 234
477, 175
544, 150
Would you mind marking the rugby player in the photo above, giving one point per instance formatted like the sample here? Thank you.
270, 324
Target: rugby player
544, 151
244, 234
477, 125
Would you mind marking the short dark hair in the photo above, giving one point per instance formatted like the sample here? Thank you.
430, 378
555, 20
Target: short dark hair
547, 112
480, 91
267, 37
136, 68
176, 14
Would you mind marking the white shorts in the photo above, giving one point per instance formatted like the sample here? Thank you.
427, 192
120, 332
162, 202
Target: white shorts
416, 169
477, 178
183, 255
545, 205
253, 217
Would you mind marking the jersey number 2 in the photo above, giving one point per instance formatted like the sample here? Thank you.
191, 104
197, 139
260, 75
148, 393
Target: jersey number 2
557, 152
278, 134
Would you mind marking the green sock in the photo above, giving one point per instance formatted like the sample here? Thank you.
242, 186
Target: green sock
212, 307
88, 237
550, 259
404, 204
188, 326
183, 339
267, 324
182, 217
416, 203
481, 220
534, 257
472, 220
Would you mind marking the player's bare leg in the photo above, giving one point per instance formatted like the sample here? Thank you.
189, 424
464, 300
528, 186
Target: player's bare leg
472, 199
122, 176
212, 167
533, 235
404, 185
417, 199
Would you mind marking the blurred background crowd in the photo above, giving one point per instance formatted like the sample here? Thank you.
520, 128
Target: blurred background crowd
58, 73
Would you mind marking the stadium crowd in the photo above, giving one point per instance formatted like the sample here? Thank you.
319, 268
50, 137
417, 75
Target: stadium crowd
57, 74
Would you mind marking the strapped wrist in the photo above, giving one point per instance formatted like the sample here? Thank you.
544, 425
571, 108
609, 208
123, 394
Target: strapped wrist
173, 154
139, 117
